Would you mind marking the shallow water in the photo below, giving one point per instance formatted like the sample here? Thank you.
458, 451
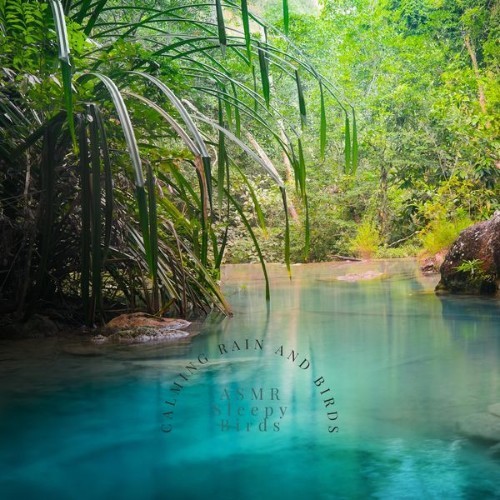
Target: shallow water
397, 366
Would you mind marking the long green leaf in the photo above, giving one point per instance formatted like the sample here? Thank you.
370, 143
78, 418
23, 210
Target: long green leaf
246, 29
322, 130
287, 232
347, 147
355, 153
133, 151
268, 167
264, 75
246, 223
220, 27
286, 16
302, 102
189, 123
221, 160
66, 72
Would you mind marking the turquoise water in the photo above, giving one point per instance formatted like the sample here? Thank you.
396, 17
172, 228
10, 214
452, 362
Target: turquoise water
397, 366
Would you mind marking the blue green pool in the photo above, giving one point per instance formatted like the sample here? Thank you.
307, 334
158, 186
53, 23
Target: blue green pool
339, 390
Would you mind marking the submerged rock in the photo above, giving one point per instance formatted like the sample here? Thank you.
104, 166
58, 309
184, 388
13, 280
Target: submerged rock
368, 275
478, 247
141, 328
481, 426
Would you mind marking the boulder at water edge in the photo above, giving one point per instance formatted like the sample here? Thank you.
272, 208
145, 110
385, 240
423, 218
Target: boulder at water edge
478, 246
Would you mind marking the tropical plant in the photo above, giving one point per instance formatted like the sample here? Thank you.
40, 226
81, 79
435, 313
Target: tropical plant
122, 128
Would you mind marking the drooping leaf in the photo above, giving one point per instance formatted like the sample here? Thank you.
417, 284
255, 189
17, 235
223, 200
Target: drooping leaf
286, 16
221, 160
355, 153
302, 102
221, 29
322, 131
133, 151
347, 145
264, 74
246, 29
287, 233
64, 57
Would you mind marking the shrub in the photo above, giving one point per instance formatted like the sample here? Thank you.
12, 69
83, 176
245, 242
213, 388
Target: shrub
366, 241
441, 233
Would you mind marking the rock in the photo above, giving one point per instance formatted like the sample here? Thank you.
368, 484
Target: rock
481, 426
134, 320
140, 328
431, 265
368, 275
494, 409
479, 242
494, 451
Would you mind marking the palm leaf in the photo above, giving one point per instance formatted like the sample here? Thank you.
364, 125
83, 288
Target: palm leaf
220, 27
302, 102
66, 72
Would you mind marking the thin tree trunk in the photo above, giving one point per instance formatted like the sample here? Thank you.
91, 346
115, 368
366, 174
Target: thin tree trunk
472, 53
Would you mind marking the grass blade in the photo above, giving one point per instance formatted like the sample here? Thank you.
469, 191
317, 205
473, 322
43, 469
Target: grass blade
302, 102
264, 74
347, 148
355, 152
322, 130
221, 160
286, 16
255, 242
246, 29
66, 72
287, 232
221, 29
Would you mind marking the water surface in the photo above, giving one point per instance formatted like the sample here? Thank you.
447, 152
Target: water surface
398, 367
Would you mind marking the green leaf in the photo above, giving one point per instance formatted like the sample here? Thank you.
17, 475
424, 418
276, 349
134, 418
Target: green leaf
246, 29
220, 27
287, 232
264, 74
221, 160
322, 131
302, 169
347, 145
66, 72
248, 227
286, 16
302, 102
355, 154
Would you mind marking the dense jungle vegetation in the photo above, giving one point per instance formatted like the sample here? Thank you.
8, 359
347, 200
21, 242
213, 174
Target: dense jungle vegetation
143, 144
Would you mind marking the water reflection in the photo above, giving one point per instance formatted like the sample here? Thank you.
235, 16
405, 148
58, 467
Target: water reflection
400, 364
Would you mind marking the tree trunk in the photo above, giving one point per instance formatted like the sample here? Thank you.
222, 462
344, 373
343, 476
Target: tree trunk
469, 44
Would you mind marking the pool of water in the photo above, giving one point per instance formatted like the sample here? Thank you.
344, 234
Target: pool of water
339, 389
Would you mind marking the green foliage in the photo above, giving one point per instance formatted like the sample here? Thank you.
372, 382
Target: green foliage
366, 241
441, 233
141, 85
473, 267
